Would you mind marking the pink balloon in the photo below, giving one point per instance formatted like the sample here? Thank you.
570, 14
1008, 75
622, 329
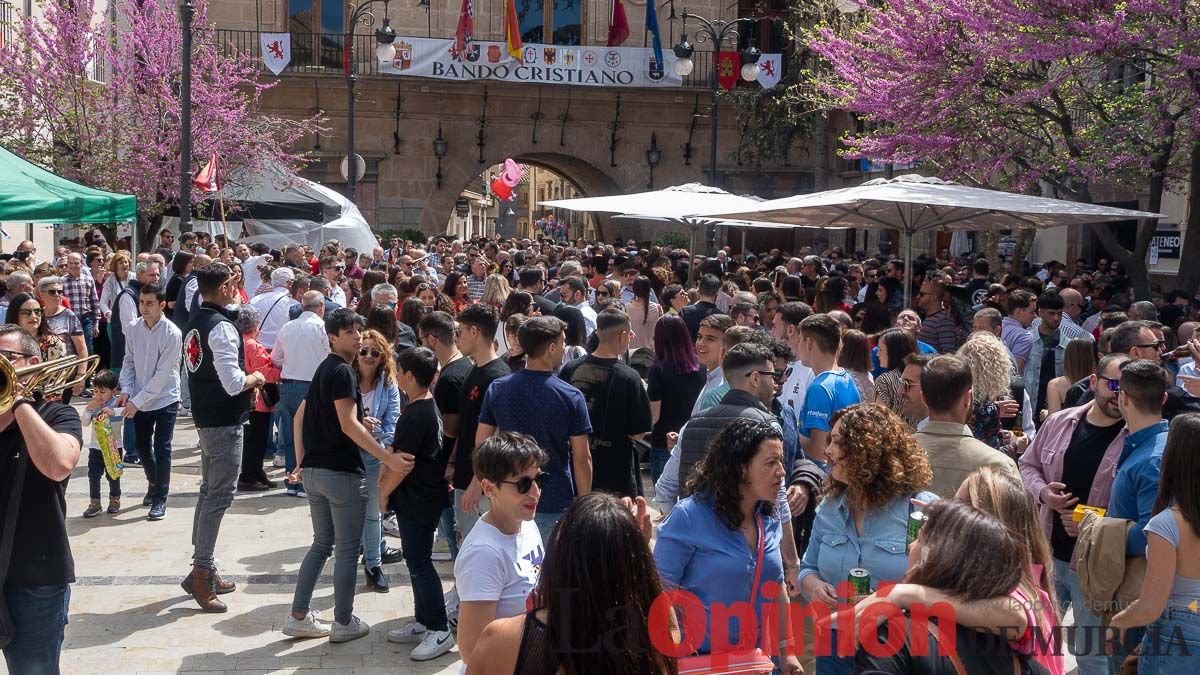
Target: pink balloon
501, 189
512, 173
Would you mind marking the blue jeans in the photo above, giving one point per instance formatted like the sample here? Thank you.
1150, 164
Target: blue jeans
545, 524
88, 323
129, 438
337, 501
95, 471
1171, 645
1088, 646
372, 536
658, 460
446, 528
291, 395
185, 391
39, 614
158, 425
416, 538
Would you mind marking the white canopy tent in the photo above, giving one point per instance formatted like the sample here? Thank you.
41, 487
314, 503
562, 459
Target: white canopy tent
912, 204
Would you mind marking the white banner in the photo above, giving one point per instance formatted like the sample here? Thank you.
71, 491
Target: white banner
769, 70
542, 64
276, 50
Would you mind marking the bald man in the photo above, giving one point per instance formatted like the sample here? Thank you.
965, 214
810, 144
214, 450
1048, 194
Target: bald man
1073, 307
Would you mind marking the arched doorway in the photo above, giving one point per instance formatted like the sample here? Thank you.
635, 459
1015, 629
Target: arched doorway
473, 211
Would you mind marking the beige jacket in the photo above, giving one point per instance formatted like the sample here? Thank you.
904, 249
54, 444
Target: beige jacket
954, 454
1109, 580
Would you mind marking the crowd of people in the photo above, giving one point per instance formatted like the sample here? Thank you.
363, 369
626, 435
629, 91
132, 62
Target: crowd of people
1013, 444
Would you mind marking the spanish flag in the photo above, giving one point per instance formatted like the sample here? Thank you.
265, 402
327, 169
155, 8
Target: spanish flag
512, 32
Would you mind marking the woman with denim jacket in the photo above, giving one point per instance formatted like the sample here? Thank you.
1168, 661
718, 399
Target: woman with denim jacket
380, 401
876, 469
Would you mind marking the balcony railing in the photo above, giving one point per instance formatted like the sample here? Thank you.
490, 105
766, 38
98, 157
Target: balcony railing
324, 53
6, 23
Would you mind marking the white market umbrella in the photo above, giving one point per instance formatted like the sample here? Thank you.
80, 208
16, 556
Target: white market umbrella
912, 204
669, 203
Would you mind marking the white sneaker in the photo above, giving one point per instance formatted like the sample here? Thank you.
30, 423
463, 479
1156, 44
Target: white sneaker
350, 631
452, 608
390, 528
434, 644
440, 556
309, 627
277, 462
411, 633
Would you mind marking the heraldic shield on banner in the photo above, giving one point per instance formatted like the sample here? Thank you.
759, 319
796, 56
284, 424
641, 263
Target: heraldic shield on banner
276, 50
729, 67
769, 70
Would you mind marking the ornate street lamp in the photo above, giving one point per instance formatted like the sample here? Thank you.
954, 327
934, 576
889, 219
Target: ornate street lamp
187, 11
653, 157
384, 51
440, 148
718, 32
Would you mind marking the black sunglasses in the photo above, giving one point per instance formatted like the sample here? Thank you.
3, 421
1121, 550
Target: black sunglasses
1113, 385
373, 353
525, 483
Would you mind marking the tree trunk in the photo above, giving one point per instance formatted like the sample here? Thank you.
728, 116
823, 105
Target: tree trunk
1189, 273
989, 240
1021, 248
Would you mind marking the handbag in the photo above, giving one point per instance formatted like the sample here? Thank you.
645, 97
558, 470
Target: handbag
8, 629
270, 394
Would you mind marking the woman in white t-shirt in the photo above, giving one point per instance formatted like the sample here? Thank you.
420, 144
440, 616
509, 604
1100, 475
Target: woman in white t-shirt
499, 561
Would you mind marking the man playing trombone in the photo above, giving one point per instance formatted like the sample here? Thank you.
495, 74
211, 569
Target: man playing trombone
39, 446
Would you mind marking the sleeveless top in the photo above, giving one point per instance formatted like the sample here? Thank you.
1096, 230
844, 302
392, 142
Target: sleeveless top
534, 656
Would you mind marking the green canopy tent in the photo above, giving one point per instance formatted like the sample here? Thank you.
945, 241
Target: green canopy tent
30, 194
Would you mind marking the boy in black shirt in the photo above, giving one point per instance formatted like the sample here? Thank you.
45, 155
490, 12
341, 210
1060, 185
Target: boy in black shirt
418, 498
327, 452
617, 405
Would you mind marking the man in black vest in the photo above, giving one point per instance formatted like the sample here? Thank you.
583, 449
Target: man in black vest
223, 393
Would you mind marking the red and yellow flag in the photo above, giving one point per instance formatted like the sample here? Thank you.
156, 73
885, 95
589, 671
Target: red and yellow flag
512, 32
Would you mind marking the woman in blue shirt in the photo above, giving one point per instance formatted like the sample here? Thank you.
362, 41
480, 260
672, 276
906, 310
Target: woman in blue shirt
721, 544
876, 468
381, 403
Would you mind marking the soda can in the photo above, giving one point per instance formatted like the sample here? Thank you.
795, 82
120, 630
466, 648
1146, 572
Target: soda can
860, 581
915, 520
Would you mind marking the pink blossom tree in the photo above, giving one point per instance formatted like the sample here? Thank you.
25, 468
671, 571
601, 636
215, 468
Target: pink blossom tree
1062, 97
124, 135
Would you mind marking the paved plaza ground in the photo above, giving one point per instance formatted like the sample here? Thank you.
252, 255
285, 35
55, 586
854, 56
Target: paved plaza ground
128, 614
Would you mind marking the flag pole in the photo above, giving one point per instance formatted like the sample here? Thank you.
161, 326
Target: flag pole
224, 225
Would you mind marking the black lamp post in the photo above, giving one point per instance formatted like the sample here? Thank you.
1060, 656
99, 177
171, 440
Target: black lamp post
384, 50
187, 11
718, 32
440, 147
653, 157
425, 5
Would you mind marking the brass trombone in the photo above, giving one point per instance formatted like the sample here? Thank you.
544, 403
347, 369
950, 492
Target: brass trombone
49, 377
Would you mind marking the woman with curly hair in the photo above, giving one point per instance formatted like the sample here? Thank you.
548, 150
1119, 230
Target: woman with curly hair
991, 389
876, 470
706, 540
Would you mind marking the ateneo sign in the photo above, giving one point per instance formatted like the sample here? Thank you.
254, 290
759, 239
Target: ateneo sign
539, 64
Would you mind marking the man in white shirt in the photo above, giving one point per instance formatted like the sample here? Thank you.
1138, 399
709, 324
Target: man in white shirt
273, 306
300, 346
799, 376
150, 391
252, 257
335, 271
574, 292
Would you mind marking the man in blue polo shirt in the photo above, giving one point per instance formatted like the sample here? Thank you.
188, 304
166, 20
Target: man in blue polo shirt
910, 321
832, 388
1135, 489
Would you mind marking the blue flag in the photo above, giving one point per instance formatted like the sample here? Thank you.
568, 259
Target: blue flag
652, 26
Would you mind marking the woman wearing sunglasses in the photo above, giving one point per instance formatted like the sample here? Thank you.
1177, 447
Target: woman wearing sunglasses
26, 311
63, 323
500, 558
380, 400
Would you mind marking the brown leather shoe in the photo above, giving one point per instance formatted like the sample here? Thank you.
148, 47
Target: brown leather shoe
203, 590
222, 586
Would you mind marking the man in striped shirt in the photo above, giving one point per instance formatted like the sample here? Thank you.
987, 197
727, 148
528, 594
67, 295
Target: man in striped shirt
939, 327
476, 278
